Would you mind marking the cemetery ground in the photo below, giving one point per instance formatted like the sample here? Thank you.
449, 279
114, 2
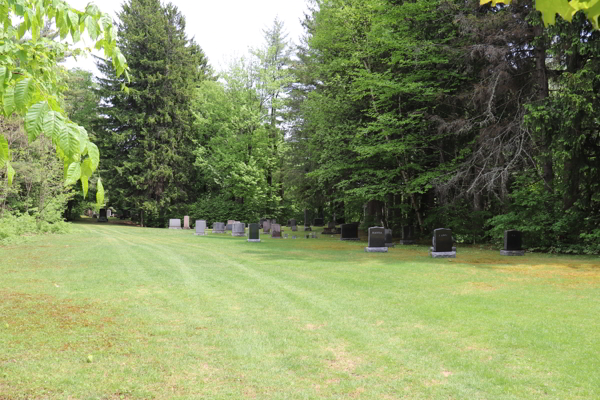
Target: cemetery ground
119, 312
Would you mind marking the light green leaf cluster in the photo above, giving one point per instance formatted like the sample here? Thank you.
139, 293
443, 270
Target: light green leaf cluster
566, 9
29, 83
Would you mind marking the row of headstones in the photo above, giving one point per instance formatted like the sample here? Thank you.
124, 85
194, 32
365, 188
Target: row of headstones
238, 229
443, 244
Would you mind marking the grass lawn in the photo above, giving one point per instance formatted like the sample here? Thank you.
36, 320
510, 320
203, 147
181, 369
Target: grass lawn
119, 312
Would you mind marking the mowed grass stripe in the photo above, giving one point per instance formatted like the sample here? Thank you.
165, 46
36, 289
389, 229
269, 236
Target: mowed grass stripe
219, 317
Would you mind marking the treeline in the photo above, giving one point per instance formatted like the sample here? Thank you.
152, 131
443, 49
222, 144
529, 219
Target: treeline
427, 113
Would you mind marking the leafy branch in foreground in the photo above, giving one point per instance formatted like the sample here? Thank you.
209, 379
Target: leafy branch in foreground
29, 83
566, 9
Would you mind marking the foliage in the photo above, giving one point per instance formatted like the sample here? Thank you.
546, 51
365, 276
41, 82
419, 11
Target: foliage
565, 8
29, 85
147, 134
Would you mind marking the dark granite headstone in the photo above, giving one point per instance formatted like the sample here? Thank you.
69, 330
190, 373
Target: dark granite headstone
349, 232
218, 227
318, 222
253, 233
376, 240
389, 241
200, 227
331, 224
293, 222
442, 240
294, 228
276, 231
173, 223
442, 244
513, 242
102, 217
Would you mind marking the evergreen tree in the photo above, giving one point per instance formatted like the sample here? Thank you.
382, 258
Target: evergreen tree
147, 134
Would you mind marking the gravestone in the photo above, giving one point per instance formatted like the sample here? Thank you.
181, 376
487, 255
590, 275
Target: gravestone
331, 224
218, 227
307, 228
102, 216
229, 225
238, 229
108, 213
408, 235
349, 232
389, 241
266, 226
294, 236
186, 222
294, 228
200, 227
376, 240
513, 240
260, 222
292, 222
442, 244
314, 235
254, 233
276, 231
175, 223
318, 222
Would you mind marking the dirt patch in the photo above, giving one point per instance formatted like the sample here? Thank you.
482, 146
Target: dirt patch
341, 360
26, 312
313, 327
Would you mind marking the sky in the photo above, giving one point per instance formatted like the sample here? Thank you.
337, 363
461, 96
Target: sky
225, 29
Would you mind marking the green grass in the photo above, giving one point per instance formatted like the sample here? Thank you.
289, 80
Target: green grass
166, 314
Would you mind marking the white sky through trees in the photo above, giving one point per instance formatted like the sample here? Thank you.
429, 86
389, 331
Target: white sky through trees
225, 29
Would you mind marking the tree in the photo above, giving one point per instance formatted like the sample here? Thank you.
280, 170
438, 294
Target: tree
147, 134
29, 85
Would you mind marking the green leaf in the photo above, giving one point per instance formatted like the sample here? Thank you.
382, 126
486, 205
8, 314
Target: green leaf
94, 155
34, 119
23, 93
10, 172
68, 140
73, 173
9, 101
2, 77
4, 151
54, 125
99, 193
83, 140
92, 27
84, 185
87, 168
549, 9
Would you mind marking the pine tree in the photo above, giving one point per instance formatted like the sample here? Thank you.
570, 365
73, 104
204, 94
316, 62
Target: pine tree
147, 134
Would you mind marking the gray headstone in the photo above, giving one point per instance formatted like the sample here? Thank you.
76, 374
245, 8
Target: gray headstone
389, 241
293, 222
254, 233
186, 222
200, 227
294, 228
108, 213
218, 227
238, 229
175, 223
266, 226
442, 240
276, 231
349, 232
331, 224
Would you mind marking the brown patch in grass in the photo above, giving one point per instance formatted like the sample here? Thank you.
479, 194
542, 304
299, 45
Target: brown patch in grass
312, 327
28, 312
342, 361
446, 373
356, 393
